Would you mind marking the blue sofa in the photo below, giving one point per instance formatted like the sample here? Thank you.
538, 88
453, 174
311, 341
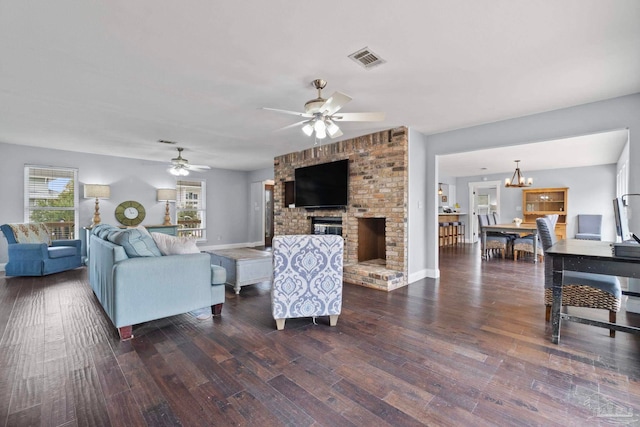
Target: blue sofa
137, 289
33, 253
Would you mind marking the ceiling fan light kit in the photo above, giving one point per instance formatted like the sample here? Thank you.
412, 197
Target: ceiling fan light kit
181, 166
517, 180
320, 114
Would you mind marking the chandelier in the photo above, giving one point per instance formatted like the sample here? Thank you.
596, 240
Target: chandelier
517, 180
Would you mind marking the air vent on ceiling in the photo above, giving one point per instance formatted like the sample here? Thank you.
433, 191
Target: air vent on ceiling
164, 141
367, 58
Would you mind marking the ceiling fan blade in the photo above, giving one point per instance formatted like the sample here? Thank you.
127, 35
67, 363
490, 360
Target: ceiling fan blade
336, 134
334, 103
194, 167
358, 117
294, 113
293, 125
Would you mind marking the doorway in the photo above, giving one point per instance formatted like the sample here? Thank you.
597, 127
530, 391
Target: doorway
484, 198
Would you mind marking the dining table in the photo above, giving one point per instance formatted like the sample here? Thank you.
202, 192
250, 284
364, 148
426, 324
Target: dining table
511, 228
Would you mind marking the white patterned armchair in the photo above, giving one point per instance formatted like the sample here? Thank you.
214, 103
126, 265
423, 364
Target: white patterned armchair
307, 277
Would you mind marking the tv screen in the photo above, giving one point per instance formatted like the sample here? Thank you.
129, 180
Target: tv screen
622, 223
322, 186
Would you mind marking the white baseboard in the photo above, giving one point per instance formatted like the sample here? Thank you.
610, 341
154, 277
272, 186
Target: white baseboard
2, 266
427, 272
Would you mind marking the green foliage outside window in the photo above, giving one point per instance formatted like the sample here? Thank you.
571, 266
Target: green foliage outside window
65, 199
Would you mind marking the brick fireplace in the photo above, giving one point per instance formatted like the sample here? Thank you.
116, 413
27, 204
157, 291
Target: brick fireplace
374, 223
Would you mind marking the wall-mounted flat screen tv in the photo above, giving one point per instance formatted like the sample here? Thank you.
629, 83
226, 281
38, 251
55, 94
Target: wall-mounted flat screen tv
323, 186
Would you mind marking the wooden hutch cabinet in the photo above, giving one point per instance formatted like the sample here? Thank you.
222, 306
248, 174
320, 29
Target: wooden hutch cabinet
538, 202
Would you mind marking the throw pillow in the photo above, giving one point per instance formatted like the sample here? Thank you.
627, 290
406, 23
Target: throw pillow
173, 245
135, 243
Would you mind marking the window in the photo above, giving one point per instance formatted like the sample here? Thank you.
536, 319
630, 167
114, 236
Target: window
191, 209
50, 197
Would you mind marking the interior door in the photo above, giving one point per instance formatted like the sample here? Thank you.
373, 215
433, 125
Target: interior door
484, 198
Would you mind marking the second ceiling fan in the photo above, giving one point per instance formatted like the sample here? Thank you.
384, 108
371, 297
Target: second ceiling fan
181, 166
321, 115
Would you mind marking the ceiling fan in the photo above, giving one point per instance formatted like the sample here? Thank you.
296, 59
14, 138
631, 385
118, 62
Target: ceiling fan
181, 166
320, 115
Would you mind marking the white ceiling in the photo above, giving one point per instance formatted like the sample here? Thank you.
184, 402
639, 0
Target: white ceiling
113, 77
586, 150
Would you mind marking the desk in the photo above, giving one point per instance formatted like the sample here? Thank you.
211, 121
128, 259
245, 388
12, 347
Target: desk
588, 256
512, 228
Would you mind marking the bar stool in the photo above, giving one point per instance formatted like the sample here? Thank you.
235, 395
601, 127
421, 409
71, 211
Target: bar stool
462, 232
443, 233
455, 229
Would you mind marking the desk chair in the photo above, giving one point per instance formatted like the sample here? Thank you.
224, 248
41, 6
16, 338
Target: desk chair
578, 289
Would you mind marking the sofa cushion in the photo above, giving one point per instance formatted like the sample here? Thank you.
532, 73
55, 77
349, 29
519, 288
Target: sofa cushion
174, 245
103, 230
31, 233
62, 251
135, 243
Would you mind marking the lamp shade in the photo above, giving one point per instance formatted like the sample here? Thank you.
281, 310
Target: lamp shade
166, 194
98, 191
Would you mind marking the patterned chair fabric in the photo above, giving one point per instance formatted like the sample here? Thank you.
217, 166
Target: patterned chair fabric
523, 245
495, 241
307, 277
578, 289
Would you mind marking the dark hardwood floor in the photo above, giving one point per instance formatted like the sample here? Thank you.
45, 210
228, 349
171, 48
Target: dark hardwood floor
469, 349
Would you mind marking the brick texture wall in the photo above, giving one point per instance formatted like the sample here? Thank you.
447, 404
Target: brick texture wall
378, 173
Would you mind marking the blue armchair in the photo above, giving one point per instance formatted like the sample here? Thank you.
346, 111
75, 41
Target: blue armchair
33, 253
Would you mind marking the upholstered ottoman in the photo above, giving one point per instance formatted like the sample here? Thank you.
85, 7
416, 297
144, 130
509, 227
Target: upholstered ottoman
244, 266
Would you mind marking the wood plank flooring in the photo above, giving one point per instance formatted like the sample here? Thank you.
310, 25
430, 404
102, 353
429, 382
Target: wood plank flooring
471, 348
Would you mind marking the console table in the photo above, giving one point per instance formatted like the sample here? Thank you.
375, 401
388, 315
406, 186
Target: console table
588, 256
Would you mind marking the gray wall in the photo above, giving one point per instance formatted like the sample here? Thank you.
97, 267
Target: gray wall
417, 221
591, 191
617, 113
227, 191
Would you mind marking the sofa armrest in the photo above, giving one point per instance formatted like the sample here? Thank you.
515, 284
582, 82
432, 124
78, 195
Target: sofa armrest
25, 251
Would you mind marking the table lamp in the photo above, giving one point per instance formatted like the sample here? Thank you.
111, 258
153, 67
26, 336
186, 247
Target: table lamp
98, 191
166, 195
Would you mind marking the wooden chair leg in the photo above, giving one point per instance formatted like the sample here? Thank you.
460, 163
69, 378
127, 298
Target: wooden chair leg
515, 255
280, 324
547, 313
333, 320
612, 319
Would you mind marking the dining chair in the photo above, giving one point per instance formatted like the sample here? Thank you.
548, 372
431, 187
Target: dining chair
589, 227
495, 241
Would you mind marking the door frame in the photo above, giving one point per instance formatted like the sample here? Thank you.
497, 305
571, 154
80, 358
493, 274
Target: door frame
473, 218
